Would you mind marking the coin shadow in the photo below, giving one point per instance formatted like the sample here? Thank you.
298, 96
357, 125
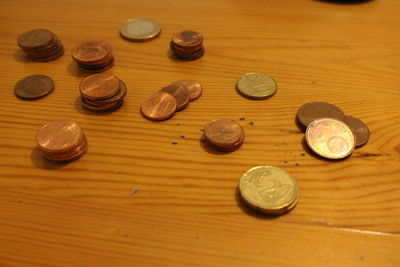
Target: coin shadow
20, 56
309, 151
344, 2
207, 147
299, 125
40, 162
74, 70
250, 211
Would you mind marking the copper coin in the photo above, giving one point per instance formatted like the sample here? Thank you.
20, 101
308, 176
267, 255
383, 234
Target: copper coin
35, 39
180, 93
99, 86
187, 38
91, 51
115, 98
315, 110
360, 130
53, 46
34, 86
189, 56
75, 153
159, 106
103, 107
194, 87
56, 55
173, 46
223, 132
330, 138
59, 136
232, 148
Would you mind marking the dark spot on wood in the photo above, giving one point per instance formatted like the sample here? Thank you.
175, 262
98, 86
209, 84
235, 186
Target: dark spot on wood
182, 136
285, 162
297, 164
202, 130
174, 143
251, 123
361, 258
178, 124
367, 155
19, 201
303, 154
242, 118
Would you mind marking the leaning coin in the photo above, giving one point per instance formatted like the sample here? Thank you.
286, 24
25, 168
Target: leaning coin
360, 130
269, 189
158, 107
34, 86
180, 93
256, 86
311, 111
140, 29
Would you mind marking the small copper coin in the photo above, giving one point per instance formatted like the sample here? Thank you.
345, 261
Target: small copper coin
330, 138
187, 38
159, 106
35, 39
315, 110
59, 136
194, 87
99, 86
91, 51
224, 133
360, 130
180, 93
34, 86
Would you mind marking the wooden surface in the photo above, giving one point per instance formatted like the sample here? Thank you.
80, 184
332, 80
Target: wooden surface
185, 211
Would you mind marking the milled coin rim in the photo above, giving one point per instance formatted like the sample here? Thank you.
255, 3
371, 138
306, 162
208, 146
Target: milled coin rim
122, 30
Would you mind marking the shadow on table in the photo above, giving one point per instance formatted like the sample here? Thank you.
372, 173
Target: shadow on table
74, 70
40, 162
344, 2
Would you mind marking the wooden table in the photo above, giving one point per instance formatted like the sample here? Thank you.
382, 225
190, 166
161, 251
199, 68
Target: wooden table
138, 199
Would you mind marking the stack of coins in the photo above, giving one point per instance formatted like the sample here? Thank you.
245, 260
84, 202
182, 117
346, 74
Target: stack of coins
140, 30
61, 141
93, 56
269, 190
187, 45
34, 87
256, 86
329, 132
102, 92
224, 135
41, 45
171, 98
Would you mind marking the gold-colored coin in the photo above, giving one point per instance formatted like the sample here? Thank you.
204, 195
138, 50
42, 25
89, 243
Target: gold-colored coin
269, 189
256, 86
140, 29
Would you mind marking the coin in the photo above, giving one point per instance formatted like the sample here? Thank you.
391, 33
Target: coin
223, 133
35, 39
194, 87
256, 86
99, 86
34, 86
140, 29
187, 38
159, 106
315, 110
180, 93
359, 128
90, 51
269, 189
330, 138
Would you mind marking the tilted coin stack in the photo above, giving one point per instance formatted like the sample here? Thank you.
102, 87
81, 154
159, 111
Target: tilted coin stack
61, 141
224, 135
187, 45
102, 92
41, 45
93, 56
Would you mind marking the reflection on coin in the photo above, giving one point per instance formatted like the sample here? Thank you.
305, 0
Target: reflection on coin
269, 189
330, 138
180, 93
34, 86
140, 29
194, 87
359, 128
158, 107
256, 86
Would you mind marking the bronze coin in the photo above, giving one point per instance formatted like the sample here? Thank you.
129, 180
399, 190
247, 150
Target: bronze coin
189, 49
360, 130
35, 39
103, 107
160, 106
180, 93
34, 86
187, 38
56, 55
73, 154
99, 86
223, 133
59, 136
315, 110
330, 138
91, 51
231, 148
115, 98
195, 89
189, 56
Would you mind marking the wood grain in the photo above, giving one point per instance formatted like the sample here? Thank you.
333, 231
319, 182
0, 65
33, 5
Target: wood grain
186, 211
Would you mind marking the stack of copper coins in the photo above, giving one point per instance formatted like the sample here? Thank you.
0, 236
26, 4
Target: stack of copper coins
224, 135
61, 141
330, 133
171, 98
102, 92
93, 56
41, 45
187, 45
